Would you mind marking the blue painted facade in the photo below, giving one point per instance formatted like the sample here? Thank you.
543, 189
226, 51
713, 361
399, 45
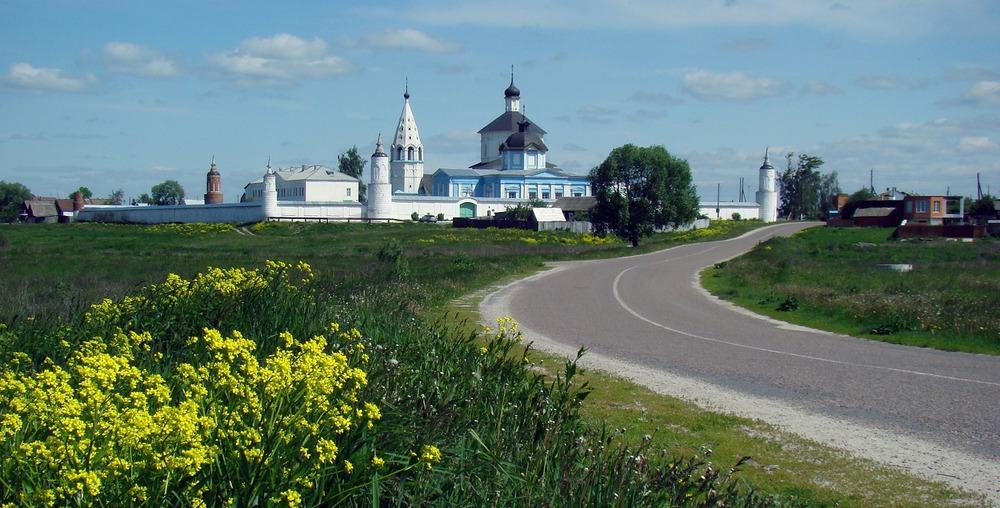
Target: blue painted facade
514, 163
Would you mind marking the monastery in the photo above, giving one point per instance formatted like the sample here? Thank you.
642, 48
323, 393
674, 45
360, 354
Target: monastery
513, 168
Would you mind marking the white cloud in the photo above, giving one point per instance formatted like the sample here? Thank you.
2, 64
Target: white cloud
595, 114
982, 94
884, 82
816, 87
26, 77
976, 144
137, 60
731, 86
279, 60
748, 44
659, 99
406, 39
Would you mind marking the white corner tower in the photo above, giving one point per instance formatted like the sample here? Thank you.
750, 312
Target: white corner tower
407, 157
767, 195
379, 189
270, 194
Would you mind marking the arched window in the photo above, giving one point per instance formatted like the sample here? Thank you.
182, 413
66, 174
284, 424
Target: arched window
409, 153
420, 153
399, 153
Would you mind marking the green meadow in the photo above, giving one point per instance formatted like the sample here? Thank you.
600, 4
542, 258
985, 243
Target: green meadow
838, 279
287, 364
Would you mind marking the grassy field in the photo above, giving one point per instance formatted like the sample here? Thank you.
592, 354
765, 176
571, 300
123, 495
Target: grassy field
461, 420
832, 279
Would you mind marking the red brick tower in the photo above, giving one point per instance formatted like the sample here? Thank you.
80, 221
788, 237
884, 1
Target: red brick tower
214, 194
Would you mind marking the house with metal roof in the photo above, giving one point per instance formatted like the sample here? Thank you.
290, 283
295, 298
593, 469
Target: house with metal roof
314, 183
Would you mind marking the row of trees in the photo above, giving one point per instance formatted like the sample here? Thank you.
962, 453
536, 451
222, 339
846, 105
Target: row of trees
14, 194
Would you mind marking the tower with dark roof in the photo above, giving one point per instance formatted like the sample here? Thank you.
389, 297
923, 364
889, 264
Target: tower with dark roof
213, 191
495, 134
523, 150
407, 152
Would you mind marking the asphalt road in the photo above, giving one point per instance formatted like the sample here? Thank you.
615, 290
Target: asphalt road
649, 312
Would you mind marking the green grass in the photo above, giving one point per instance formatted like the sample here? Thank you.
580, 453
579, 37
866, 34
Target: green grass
830, 278
428, 372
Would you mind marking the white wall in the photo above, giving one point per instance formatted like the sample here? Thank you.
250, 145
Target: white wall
226, 212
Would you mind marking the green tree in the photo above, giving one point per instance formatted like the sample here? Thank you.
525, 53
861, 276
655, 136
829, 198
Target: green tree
829, 189
12, 197
800, 187
169, 192
862, 194
982, 207
351, 164
639, 189
117, 197
87, 194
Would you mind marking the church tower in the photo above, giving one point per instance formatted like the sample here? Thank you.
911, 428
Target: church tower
379, 189
213, 191
493, 137
407, 152
767, 196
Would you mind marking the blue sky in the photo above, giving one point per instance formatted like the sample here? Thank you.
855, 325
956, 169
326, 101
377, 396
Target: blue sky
126, 94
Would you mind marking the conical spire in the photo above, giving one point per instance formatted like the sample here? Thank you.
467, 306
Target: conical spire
407, 145
767, 160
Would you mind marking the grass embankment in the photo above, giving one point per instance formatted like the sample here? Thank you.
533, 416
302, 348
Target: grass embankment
831, 279
505, 435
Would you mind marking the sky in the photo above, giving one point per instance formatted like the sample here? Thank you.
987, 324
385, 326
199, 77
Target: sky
125, 94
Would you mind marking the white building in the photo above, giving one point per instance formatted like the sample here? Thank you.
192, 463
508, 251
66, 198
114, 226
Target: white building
307, 183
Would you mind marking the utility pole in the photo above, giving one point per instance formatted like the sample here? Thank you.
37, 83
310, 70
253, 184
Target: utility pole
718, 200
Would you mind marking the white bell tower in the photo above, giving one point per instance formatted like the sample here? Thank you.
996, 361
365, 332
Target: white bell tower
767, 195
407, 152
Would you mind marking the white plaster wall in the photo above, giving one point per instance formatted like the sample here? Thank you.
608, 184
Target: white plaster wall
317, 211
726, 210
227, 212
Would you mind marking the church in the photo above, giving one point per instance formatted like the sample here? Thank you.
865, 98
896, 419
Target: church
513, 168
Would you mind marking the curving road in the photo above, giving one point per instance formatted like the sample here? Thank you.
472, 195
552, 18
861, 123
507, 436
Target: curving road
935, 413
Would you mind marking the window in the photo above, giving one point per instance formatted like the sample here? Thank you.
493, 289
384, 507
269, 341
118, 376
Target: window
532, 195
348, 191
922, 206
545, 194
937, 207
559, 192
511, 195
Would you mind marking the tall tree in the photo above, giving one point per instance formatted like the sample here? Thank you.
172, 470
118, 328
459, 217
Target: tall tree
117, 197
12, 197
87, 194
350, 163
800, 187
829, 189
169, 192
639, 189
